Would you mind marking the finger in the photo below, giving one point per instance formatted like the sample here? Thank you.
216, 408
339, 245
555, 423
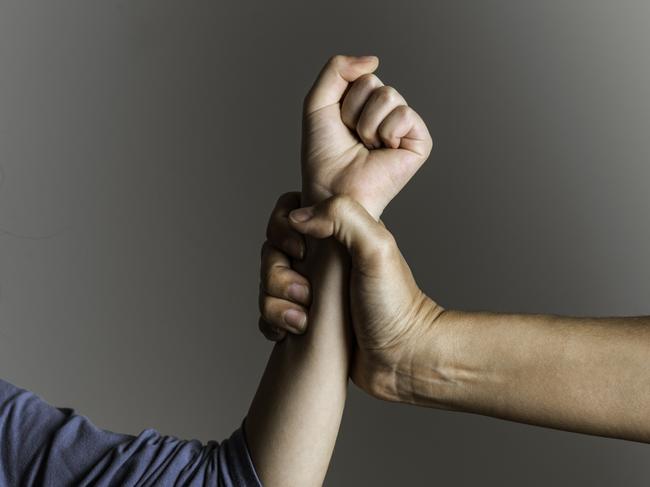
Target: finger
271, 332
279, 280
271, 259
403, 128
381, 102
283, 314
279, 232
356, 98
368, 241
333, 80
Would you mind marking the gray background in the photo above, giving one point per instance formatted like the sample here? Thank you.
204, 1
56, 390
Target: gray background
143, 143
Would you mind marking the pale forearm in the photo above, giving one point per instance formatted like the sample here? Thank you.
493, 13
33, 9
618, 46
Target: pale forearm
588, 375
294, 419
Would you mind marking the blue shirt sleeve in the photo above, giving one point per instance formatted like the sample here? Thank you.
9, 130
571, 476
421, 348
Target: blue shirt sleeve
42, 445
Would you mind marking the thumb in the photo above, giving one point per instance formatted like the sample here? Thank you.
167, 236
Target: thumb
367, 240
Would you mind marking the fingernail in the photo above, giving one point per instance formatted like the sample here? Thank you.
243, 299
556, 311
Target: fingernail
295, 319
298, 293
302, 214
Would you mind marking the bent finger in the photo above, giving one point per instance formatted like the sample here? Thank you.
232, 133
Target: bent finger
334, 78
283, 314
278, 230
381, 102
404, 128
356, 98
285, 283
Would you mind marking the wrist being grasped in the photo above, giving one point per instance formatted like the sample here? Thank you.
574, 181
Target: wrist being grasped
312, 195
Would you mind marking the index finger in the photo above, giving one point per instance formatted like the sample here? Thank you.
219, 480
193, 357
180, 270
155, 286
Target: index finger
278, 231
334, 78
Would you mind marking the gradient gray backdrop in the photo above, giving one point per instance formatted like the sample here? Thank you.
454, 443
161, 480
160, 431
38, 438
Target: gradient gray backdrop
143, 144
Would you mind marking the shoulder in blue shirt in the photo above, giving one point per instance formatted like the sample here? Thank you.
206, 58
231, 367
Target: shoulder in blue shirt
42, 445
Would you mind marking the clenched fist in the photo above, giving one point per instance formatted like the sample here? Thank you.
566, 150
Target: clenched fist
360, 137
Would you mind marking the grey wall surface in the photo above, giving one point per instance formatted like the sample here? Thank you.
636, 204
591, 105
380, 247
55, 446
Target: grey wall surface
142, 145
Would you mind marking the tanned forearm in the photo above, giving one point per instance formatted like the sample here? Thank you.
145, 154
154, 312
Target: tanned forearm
294, 419
588, 375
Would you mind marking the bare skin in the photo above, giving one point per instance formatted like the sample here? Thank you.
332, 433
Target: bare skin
355, 132
587, 375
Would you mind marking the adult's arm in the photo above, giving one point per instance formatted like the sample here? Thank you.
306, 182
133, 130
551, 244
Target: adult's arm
587, 375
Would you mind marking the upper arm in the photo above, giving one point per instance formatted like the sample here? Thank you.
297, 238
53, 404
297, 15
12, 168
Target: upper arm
44, 445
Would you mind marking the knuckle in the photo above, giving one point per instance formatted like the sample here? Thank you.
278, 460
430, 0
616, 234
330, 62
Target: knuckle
385, 130
385, 245
368, 80
267, 280
336, 60
365, 132
337, 205
387, 94
270, 279
403, 111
